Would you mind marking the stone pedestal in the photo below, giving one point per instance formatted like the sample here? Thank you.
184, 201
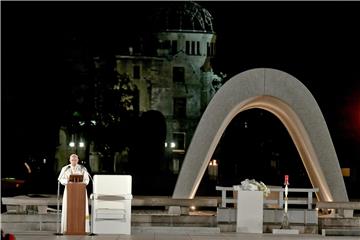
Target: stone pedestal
249, 214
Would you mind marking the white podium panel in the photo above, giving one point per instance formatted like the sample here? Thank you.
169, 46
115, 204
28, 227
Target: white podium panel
112, 204
249, 214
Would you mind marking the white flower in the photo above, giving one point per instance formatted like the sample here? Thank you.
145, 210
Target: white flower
252, 185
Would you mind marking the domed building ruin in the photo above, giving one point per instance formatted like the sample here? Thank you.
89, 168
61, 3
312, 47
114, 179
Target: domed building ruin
177, 79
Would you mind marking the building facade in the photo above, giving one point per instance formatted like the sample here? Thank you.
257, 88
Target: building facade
177, 80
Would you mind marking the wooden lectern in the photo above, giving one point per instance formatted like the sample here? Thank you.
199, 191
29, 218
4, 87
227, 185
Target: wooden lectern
76, 204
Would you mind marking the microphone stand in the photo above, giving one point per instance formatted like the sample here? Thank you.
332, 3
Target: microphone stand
92, 203
58, 203
57, 210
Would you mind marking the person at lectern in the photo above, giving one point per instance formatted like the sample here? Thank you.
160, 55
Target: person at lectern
73, 169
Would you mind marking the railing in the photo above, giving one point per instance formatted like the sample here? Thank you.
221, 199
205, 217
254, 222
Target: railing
169, 201
280, 201
339, 205
342, 209
224, 199
22, 202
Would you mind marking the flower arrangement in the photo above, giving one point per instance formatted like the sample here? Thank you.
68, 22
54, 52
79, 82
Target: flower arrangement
252, 185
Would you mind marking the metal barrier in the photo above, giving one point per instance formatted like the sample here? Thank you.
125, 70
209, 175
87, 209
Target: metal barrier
280, 201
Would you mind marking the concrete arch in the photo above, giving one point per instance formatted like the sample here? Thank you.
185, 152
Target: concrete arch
289, 100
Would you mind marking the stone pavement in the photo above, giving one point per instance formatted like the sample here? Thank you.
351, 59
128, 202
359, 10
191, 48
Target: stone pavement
172, 236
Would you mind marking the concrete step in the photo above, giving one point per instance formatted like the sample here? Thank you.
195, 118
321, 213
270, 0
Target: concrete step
198, 221
296, 216
176, 230
29, 222
339, 222
340, 232
339, 226
48, 222
268, 227
28, 227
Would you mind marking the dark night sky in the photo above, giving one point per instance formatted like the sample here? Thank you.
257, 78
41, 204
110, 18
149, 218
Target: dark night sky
318, 43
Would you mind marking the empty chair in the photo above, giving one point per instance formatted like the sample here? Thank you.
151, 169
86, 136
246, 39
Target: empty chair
111, 206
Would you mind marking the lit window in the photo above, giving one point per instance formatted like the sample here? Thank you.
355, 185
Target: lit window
179, 139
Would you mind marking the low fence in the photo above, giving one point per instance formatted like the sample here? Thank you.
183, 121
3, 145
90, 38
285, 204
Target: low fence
308, 200
21, 204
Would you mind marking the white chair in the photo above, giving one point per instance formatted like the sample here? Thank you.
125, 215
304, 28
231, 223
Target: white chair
111, 206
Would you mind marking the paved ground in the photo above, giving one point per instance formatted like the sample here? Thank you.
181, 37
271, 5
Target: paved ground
164, 236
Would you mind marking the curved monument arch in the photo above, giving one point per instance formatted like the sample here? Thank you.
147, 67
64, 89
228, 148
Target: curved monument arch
289, 100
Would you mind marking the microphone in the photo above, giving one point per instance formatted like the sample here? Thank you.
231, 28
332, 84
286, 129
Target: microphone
67, 167
82, 167
63, 171
84, 170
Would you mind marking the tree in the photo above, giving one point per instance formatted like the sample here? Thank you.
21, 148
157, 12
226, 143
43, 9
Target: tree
116, 101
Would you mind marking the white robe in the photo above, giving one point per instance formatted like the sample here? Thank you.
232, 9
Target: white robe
63, 179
